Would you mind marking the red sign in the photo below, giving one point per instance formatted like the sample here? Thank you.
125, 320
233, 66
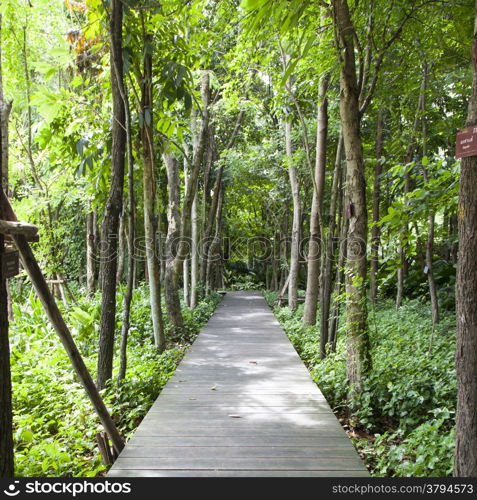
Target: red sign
466, 142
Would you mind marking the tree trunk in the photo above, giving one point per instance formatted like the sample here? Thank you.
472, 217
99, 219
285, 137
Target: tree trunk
214, 257
213, 211
358, 356
186, 264
183, 246
128, 295
328, 256
375, 231
121, 248
149, 181
316, 220
109, 228
339, 286
210, 155
90, 253
171, 278
295, 235
432, 218
403, 265
466, 301
194, 266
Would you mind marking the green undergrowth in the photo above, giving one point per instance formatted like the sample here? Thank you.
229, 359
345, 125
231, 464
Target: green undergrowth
54, 423
403, 422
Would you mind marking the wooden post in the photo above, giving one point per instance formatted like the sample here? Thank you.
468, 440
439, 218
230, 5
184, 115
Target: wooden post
6, 434
6, 437
33, 270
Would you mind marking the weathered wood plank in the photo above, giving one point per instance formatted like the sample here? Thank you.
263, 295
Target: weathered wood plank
209, 452
312, 434
221, 463
242, 441
234, 473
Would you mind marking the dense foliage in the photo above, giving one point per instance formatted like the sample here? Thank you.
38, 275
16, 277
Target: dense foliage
403, 422
55, 427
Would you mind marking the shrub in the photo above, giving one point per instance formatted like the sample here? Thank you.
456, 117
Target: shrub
54, 424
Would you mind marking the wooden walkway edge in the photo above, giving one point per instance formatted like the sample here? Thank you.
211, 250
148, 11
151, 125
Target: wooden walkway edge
241, 403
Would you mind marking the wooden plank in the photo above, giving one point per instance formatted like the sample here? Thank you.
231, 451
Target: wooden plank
209, 452
240, 404
221, 463
250, 431
217, 410
235, 421
115, 472
242, 441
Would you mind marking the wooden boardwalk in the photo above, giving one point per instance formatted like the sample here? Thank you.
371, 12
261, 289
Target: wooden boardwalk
241, 403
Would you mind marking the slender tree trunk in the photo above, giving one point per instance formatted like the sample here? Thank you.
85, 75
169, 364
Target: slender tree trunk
339, 287
432, 219
375, 231
171, 278
466, 301
214, 257
183, 246
213, 211
328, 256
90, 253
131, 271
210, 155
186, 264
358, 355
284, 247
150, 216
109, 228
316, 222
403, 265
295, 235
6, 415
194, 267
275, 262
121, 248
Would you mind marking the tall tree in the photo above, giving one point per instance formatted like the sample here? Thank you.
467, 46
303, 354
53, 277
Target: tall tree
150, 189
131, 233
175, 260
466, 300
378, 169
358, 359
295, 234
110, 225
316, 218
